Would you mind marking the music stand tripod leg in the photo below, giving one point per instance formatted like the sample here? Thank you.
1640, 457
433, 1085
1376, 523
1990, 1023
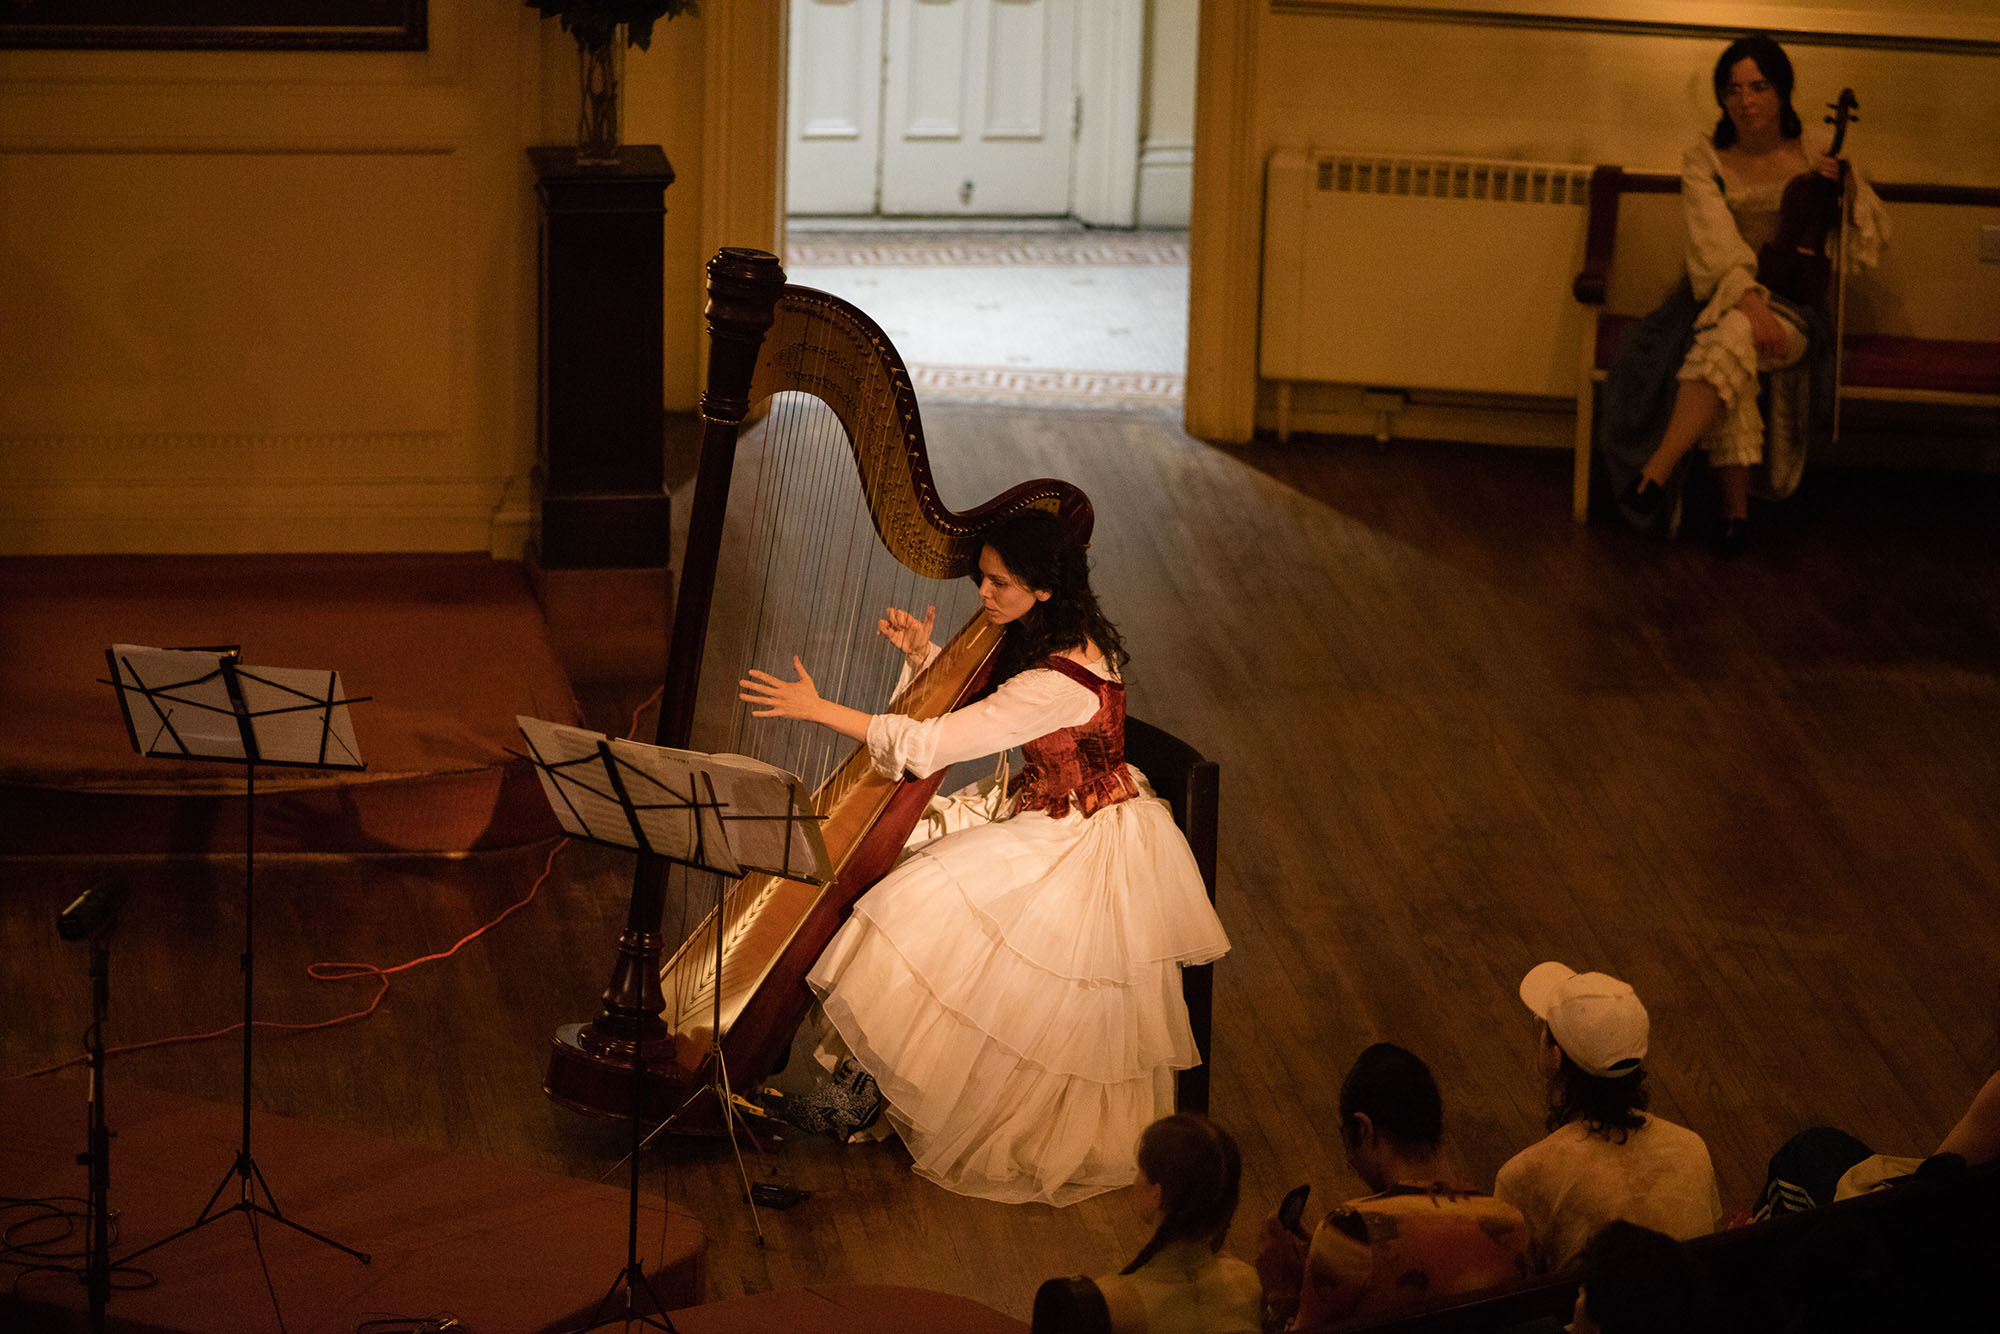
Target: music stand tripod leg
729, 1119
718, 1082
197, 704
721, 1071
633, 1276
244, 1170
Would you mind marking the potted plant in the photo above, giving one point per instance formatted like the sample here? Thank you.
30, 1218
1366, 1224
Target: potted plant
596, 25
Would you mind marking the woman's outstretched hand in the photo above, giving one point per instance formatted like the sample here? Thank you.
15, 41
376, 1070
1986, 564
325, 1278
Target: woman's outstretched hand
781, 698
908, 633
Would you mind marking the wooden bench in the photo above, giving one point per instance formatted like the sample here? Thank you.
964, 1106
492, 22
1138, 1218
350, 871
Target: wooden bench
1915, 1256
1874, 366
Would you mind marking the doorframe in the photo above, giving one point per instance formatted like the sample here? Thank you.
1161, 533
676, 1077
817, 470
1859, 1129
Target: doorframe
1110, 77
1225, 230
745, 50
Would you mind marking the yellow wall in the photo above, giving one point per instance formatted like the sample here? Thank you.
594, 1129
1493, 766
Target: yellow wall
1323, 78
268, 301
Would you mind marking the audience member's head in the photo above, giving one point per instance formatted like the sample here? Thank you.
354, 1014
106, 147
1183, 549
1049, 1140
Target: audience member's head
1390, 1113
1189, 1176
1594, 1034
1633, 1280
1070, 1306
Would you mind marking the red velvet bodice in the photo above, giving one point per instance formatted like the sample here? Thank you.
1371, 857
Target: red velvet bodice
1084, 765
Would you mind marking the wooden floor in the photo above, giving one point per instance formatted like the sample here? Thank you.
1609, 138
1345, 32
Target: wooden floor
1458, 735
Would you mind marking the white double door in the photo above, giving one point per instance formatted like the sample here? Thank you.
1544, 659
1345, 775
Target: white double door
932, 107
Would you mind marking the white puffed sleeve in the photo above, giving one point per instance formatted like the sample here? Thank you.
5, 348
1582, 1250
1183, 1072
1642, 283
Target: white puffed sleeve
1721, 265
1867, 219
1031, 704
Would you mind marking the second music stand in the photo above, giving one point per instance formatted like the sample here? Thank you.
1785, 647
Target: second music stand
203, 704
719, 813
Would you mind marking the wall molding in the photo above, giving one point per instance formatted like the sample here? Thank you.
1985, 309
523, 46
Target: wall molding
357, 504
1898, 31
1166, 184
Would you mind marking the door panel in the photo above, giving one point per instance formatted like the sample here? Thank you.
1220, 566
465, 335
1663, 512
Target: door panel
933, 107
977, 97
834, 135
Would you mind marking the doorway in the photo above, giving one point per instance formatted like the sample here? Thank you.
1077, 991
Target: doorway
960, 108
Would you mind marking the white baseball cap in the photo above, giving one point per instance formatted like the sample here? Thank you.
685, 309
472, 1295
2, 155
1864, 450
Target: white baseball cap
1596, 1019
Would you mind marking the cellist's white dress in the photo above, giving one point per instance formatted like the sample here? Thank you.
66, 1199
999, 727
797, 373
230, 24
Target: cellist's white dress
1014, 983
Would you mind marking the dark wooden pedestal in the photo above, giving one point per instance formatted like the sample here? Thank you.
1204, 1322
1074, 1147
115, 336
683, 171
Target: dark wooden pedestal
602, 540
599, 488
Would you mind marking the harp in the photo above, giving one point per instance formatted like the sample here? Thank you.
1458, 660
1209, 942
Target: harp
774, 345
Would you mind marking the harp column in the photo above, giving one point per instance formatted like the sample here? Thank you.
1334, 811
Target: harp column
602, 536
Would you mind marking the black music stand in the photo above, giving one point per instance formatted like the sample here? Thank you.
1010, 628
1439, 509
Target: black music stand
720, 813
203, 704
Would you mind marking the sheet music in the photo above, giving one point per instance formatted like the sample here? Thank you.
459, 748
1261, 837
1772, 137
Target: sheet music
768, 813
750, 816
571, 768
299, 715
180, 707
178, 703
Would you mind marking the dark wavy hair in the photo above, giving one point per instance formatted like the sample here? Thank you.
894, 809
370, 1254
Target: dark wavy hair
1399, 1095
1773, 64
1039, 551
1196, 1165
1605, 1106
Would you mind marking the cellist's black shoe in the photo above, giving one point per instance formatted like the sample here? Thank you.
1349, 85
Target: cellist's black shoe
1731, 537
1644, 496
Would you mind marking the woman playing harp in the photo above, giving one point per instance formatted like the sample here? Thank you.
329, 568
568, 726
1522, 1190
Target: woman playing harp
1014, 984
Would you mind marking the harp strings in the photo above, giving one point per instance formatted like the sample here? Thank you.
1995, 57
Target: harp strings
803, 572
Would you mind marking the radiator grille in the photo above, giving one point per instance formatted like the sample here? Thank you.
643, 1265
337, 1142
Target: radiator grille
1446, 178
1421, 273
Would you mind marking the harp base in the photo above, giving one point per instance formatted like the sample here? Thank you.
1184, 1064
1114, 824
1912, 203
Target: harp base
595, 1078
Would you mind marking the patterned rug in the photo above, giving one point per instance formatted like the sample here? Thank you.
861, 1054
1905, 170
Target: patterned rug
1082, 319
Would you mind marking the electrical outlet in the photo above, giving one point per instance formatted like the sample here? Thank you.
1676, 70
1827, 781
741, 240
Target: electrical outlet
1989, 244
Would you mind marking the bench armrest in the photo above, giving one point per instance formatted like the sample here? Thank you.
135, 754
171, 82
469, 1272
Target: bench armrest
1600, 234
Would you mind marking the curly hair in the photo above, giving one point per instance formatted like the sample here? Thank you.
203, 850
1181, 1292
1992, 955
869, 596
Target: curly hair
1039, 551
1773, 64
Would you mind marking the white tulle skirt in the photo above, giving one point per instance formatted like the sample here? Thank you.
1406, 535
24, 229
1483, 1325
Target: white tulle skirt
1014, 987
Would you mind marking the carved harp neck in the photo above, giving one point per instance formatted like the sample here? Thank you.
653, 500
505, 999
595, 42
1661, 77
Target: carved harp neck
767, 338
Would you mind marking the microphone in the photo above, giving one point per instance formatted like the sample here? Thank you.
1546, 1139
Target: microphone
95, 911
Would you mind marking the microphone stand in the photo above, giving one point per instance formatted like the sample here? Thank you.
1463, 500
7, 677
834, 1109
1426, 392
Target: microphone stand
97, 1246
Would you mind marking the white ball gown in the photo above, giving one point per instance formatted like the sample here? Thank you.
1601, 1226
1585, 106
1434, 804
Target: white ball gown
1013, 985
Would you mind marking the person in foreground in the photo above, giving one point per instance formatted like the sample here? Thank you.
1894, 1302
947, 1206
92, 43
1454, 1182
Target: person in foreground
1013, 985
1726, 327
1416, 1239
1605, 1157
1186, 1187
1633, 1280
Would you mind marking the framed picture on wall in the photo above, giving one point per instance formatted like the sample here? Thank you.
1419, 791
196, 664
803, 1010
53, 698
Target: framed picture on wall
192, 25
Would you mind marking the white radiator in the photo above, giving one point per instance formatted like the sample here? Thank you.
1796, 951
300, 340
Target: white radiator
1422, 273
